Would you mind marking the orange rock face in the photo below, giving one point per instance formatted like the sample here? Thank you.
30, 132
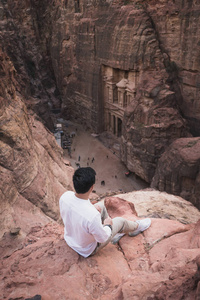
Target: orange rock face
178, 170
75, 56
31, 162
161, 263
123, 66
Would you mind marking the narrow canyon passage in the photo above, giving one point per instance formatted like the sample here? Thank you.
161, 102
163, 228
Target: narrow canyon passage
88, 150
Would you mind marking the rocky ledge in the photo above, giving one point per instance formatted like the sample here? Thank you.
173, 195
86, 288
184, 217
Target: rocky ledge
161, 263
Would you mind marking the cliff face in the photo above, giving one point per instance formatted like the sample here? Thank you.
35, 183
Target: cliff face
20, 40
129, 67
176, 24
31, 163
112, 67
178, 170
158, 36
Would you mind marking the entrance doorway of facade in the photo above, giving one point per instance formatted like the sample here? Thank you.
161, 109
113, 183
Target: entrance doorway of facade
119, 127
114, 124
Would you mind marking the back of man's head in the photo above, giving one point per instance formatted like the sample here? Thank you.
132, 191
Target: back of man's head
83, 179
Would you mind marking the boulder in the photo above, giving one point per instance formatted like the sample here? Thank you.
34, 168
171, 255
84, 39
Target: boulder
178, 169
156, 204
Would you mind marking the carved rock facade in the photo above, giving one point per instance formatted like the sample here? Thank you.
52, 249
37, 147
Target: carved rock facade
121, 75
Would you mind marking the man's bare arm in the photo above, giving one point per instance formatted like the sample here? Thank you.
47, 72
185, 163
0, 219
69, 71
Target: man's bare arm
108, 221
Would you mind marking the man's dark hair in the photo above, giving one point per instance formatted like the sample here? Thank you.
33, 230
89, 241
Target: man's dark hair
83, 179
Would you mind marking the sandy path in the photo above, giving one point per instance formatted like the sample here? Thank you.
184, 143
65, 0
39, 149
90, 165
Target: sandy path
107, 165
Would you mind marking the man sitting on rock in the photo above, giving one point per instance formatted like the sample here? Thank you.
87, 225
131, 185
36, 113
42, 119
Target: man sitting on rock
87, 227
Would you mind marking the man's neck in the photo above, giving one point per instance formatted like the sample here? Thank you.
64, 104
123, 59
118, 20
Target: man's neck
82, 196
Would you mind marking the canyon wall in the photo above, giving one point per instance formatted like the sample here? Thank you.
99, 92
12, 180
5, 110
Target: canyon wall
103, 64
156, 39
32, 169
178, 170
128, 67
132, 68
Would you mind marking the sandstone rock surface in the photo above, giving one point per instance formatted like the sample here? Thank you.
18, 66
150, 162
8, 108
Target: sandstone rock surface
155, 204
161, 263
53, 55
59, 50
146, 38
178, 170
31, 162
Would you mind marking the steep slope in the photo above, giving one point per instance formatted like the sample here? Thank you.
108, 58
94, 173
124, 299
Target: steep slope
31, 162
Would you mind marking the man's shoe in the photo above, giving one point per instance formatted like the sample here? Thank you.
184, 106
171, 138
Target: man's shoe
142, 226
117, 237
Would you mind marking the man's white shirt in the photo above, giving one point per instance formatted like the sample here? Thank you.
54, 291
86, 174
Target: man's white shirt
82, 224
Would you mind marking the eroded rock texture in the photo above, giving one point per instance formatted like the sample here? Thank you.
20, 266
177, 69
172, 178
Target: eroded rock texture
161, 263
114, 53
158, 204
121, 66
129, 67
178, 170
20, 40
31, 163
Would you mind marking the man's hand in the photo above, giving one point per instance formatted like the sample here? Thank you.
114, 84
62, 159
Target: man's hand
108, 221
97, 207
